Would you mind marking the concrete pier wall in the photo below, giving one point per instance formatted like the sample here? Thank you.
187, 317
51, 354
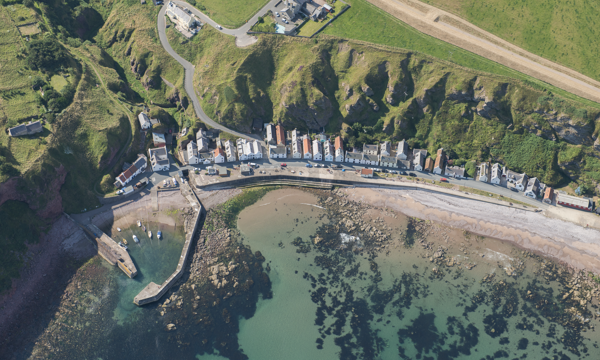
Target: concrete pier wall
153, 292
112, 252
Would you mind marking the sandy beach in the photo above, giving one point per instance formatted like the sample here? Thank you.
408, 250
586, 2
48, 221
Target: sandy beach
566, 242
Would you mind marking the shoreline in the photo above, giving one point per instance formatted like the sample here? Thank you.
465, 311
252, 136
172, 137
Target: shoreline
566, 242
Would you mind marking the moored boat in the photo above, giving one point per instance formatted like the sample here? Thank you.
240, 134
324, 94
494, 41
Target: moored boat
125, 241
150, 234
159, 235
135, 238
144, 228
123, 246
139, 223
119, 229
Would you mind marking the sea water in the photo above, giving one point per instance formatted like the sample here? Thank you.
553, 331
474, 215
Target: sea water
155, 259
403, 310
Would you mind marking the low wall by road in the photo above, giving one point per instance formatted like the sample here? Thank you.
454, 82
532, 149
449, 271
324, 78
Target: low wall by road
325, 182
153, 292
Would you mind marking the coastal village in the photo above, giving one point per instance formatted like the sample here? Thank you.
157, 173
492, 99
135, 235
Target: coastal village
209, 149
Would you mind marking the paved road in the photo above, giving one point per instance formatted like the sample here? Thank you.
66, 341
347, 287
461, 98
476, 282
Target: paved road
241, 36
189, 79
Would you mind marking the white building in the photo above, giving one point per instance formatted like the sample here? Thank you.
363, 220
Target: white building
521, 183
440, 162
205, 158
271, 134
180, 17
484, 172
159, 159
496, 174
354, 157
402, 151
419, 156
389, 161
144, 121
296, 149
386, 148
219, 156
369, 159
328, 151
192, 153
339, 149
455, 172
136, 168
256, 149
295, 135
370, 149
306, 150
241, 145
230, 151
533, 188
277, 152
202, 145
317, 152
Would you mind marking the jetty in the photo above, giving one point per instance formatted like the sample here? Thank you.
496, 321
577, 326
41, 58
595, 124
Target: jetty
153, 292
112, 252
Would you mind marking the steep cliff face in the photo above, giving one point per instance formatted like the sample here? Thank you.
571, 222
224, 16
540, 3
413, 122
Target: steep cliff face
323, 85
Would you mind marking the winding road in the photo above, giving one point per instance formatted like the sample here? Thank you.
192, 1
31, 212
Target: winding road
242, 39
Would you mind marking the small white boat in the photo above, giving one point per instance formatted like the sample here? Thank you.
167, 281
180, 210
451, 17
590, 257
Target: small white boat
139, 223
144, 228
150, 234
159, 235
119, 229
136, 239
123, 246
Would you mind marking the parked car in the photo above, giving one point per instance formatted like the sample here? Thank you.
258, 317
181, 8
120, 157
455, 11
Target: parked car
309, 165
514, 189
444, 180
412, 174
283, 165
219, 27
336, 166
277, 14
320, 165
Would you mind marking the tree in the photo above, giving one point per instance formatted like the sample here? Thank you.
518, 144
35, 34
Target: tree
106, 185
471, 169
37, 82
28, 3
46, 53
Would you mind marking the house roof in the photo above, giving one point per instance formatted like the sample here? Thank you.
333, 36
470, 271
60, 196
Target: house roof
423, 152
369, 147
306, 145
280, 134
35, 126
339, 144
428, 164
404, 164
140, 162
573, 200
17, 130
179, 13
158, 138
366, 172
144, 120
455, 170
354, 155
439, 160
219, 151
389, 159
370, 157
279, 149
549, 193
122, 178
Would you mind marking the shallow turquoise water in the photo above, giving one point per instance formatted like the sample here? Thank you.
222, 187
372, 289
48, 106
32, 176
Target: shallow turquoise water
154, 259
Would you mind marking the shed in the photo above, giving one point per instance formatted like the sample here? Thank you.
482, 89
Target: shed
222, 170
366, 173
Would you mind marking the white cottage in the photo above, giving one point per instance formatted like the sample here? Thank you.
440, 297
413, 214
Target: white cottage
402, 150
306, 150
354, 157
339, 149
144, 121
159, 159
230, 151
277, 152
386, 148
328, 151
389, 161
296, 149
192, 153
317, 152
484, 172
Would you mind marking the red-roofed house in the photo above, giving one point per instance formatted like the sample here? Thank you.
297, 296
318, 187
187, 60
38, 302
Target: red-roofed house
138, 167
219, 156
339, 149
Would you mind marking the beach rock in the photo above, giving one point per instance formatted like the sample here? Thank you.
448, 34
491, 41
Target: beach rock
171, 327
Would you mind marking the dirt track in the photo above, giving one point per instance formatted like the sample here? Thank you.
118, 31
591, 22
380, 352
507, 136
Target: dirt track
456, 31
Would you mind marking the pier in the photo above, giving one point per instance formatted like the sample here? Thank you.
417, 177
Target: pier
112, 252
153, 292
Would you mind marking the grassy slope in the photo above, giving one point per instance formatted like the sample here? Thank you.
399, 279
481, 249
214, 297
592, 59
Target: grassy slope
230, 13
562, 31
368, 23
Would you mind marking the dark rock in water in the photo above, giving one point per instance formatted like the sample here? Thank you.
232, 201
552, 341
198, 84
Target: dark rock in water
423, 333
495, 325
259, 256
523, 344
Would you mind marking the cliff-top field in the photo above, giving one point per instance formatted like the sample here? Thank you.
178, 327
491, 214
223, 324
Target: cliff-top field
566, 32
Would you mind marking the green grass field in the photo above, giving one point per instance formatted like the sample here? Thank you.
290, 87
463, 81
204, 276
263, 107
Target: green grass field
21, 14
267, 25
58, 82
231, 13
366, 22
562, 31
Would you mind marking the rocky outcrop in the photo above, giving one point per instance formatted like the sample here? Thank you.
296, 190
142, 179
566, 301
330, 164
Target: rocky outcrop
367, 90
45, 201
315, 115
569, 130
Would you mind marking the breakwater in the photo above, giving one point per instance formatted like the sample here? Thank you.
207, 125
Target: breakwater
153, 292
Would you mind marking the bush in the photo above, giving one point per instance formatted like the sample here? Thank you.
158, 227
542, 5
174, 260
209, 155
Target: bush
192, 2
106, 185
46, 53
28, 3
50, 117
74, 42
37, 82
471, 169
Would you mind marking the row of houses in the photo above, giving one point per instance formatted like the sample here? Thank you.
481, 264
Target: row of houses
138, 166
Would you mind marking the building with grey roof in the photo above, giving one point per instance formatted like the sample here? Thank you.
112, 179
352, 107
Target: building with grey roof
159, 158
26, 129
